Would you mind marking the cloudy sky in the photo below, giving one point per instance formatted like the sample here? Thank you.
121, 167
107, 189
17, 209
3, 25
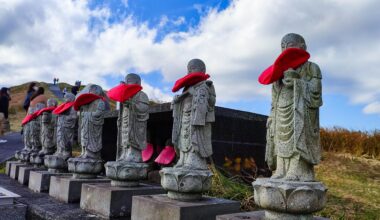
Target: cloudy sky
99, 41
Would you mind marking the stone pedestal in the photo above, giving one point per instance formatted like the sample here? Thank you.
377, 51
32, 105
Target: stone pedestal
55, 164
258, 215
24, 172
113, 201
160, 207
184, 184
39, 180
84, 168
289, 200
68, 189
8, 165
126, 173
15, 169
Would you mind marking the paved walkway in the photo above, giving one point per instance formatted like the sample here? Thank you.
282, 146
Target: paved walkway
7, 150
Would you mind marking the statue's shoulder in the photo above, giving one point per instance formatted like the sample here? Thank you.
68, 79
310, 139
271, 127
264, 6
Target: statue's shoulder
142, 96
314, 69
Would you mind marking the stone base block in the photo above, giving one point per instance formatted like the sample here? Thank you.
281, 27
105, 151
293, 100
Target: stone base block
115, 201
15, 169
15, 211
68, 189
258, 215
39, 180
8, 165
23, 174
160, 207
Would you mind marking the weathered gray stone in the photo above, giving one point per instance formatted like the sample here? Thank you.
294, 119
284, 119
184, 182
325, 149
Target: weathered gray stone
65, 132
89, 164
39, 180
68, 189
257, 215
15, 169
35, 134
15, 211
160, 207
129, 168
8, 165
24, 172
193, 114
115, 201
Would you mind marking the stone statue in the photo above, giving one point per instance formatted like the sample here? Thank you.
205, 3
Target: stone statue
90, 163
293, 145
48, 133
27, 140
132, 125
193, 113
35, 133
65, 130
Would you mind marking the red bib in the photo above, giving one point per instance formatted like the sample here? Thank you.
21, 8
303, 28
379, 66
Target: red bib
189, 80
29, 118
47, 109
123, 92
289, 58
85, 99
166, 156
147, 153
63, 108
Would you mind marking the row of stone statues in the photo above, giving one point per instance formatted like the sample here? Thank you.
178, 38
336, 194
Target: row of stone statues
292, 150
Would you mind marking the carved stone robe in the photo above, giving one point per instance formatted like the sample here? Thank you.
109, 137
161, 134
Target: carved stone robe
293, 125
35, 133
133, 122
65, 130
48, 131
192, 120
92, 120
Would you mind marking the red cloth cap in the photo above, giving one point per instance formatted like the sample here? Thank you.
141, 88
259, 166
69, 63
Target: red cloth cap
189, 80
47, 109
289, 58
147, 153
166, 156
85, 99
123, 92
63, 108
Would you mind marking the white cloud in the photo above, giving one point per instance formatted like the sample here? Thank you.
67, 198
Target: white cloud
372, 108
41, 40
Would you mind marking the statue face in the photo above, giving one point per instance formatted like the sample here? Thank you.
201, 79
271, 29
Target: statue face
293, 40
52, 102
69, 97
39, 106
133, 78
95, 89
196, 65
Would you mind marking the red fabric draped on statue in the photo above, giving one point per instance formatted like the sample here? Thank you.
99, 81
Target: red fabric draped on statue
289, 58
85, 99
28, 118
166, 156
123, 92
147, 153
63, 108
47, 109
189, 80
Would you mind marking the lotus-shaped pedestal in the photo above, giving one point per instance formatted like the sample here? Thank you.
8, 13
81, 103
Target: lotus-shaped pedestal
288, 199
55, 163
125, 173
185, 184
85, 168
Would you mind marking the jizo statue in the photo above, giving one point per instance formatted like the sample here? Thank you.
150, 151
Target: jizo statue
293, 143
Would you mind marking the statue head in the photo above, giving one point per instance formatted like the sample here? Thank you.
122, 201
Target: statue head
39, 106
52, 102
293, 40
69, 97
31, 110
133, 78
95, 89
196, 65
